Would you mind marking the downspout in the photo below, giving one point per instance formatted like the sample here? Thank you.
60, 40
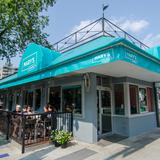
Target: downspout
156, 104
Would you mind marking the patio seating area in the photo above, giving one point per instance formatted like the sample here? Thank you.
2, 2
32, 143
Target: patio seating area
29, 129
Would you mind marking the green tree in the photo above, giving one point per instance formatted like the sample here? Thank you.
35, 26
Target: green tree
22, 22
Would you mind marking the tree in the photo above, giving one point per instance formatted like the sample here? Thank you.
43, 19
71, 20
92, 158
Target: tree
22, 22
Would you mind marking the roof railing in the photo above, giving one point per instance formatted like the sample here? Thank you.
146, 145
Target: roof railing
94, 30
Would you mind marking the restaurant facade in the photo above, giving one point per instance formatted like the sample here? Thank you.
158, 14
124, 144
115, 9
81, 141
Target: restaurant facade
108, 83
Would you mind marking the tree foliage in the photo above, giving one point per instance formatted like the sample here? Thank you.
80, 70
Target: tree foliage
22, 22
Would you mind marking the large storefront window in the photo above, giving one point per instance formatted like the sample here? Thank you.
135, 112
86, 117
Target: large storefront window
37, 99
72, 99
119, 99
143, 100
54, 97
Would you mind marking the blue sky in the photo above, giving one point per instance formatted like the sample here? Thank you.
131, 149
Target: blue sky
139, 17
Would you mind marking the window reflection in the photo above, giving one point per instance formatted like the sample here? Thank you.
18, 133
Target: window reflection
142, 100
54, 97
72, 99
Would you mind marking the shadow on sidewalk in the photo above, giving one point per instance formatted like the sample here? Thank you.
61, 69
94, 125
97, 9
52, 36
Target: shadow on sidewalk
135, 144
38, 155
42, 153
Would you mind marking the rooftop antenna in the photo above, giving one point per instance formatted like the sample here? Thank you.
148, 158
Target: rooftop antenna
104, 7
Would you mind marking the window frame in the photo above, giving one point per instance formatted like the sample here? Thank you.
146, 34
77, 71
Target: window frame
145, 87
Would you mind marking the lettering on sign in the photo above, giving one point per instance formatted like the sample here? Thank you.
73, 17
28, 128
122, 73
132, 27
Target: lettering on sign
29, 62
106, 57
130, 56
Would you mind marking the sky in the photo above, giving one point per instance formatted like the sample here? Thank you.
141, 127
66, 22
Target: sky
138, 17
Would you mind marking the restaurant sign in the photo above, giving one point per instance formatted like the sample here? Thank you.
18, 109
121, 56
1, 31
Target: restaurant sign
29, 63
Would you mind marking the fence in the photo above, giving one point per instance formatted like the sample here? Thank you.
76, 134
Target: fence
28, 129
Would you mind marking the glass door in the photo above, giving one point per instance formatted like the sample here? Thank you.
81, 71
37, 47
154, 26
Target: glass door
104, 111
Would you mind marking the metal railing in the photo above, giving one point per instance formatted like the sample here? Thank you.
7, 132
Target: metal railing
28, 129
95, 29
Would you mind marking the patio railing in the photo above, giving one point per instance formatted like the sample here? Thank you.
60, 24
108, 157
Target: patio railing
28, 129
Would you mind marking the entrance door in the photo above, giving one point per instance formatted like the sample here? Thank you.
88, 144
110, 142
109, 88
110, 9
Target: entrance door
104, 111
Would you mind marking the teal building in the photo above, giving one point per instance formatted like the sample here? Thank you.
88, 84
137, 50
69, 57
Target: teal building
108, 82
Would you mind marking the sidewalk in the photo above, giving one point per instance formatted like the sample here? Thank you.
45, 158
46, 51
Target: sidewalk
144, 147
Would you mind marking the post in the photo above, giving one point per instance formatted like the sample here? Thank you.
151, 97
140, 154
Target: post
23, 132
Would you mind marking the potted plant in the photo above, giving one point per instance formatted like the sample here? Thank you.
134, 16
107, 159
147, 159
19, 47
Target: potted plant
63, 137
54, 133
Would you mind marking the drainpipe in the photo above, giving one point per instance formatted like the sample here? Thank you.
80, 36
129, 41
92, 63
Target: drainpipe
156, 104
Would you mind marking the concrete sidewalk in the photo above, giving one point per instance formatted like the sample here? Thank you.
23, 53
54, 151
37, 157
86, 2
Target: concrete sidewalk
143, 147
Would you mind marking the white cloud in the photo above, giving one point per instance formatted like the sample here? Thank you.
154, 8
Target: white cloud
81, 25
130, 25
152, 40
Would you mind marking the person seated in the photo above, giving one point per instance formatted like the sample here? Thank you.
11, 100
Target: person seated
51, 108
29, 109
46, 108
25, 108
18, 109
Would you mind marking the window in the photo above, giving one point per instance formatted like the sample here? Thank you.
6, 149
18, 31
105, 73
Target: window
103, 81
10, 102
29, 98
150, 99
133, 99
55, 97
72, 99
119, 99
143, 100
37, 99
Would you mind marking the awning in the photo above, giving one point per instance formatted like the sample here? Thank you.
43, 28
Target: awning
109, 54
